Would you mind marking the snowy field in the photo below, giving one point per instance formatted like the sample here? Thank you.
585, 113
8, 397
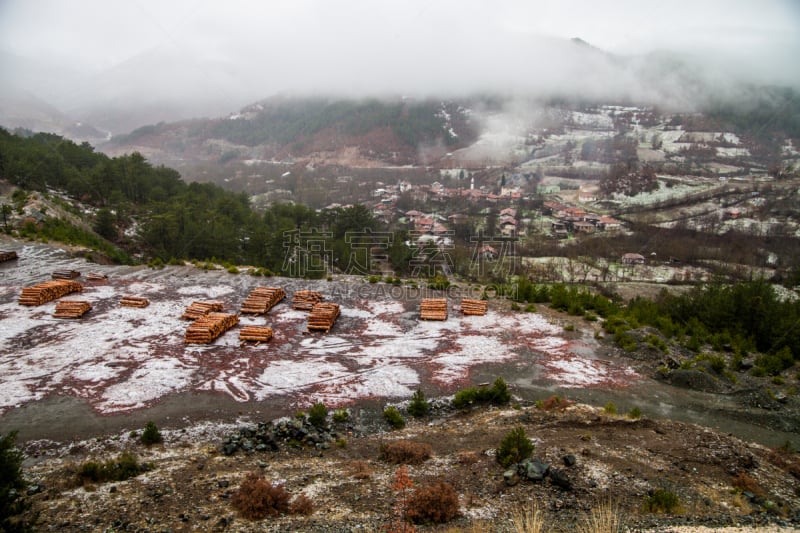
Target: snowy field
120, 359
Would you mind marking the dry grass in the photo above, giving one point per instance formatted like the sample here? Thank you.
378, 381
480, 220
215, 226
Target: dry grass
528, 520
467, 458
605, 517
406, 452
360, 470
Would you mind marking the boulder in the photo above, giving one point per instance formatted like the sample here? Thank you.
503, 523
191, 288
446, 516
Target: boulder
560, 479
533, 469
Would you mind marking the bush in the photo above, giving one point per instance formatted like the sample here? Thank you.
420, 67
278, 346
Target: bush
436, 503
743, 482
257, 498
11, 481
635, 413
151, 435
554, 402
438, 283
514, 447
717, 363
394, 418
318, 414
418, 407
497, 394
465, 397
407, 452
301, 504
340, 415
124, 467
774, 364
661, 501
610, 408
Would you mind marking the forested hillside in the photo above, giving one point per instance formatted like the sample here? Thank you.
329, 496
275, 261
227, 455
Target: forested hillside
390, 130
149, 212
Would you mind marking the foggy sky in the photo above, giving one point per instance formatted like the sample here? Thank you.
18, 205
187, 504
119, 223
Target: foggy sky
80, 52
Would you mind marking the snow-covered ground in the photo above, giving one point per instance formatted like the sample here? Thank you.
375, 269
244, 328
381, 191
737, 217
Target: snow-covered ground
120, 359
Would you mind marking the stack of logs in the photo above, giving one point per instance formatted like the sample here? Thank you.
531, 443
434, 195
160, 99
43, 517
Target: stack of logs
200, 309
262, 299
207, 328
65, 274
134, 301
71, 308
474, 307
7, 255
433, 309
48, 291
322, 317
255, 333
305, 300
96, 276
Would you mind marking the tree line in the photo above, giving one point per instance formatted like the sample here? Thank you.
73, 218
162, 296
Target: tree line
151, 213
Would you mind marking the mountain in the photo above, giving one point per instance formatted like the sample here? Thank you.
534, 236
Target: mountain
367, 132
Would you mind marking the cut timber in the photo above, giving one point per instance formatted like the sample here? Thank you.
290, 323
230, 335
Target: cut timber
262, 299
255, 333
323, 316
96, 276
7, 255
48, 291
71, 308
199, 309
433, 309
474, 307
65, 274
305, 300
208, 327
134, 301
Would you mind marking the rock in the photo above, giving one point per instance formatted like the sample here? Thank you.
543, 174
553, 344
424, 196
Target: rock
34, 489
569, 460
533, 469
560, 479
511, 477
223, 483
229, 449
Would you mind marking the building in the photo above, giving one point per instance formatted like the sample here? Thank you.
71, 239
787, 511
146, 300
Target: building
632, 259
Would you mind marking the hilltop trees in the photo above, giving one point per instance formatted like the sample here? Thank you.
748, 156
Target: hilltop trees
176, 220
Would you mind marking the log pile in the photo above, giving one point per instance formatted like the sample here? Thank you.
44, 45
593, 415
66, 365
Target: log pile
255, 333
262, 299
7, 255
433, 309
71, 308
65, 274
200, 309
322, 317
208, 327
49, 290
134, 301
305, 300
96, 276
474, 307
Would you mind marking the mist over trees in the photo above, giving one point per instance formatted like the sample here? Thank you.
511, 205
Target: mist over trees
151, 213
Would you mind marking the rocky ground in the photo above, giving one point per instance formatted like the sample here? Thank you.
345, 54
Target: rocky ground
594, 457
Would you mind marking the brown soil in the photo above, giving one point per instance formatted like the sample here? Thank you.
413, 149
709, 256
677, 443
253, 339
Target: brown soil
618, 459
